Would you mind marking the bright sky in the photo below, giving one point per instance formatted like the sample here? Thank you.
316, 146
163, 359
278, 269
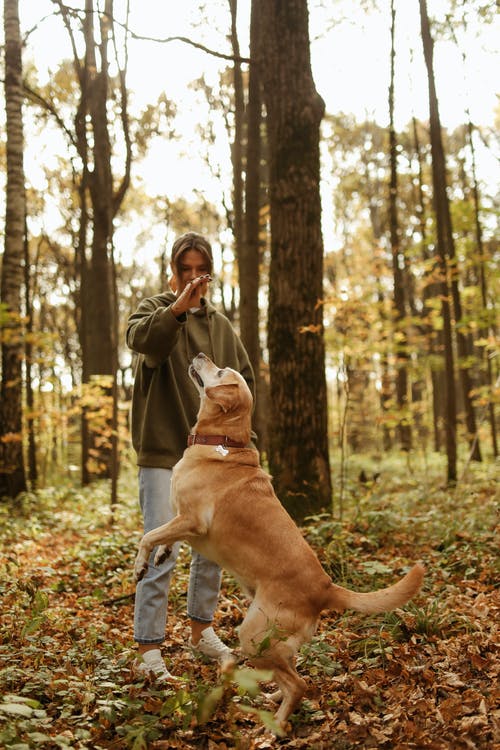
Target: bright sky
350, 61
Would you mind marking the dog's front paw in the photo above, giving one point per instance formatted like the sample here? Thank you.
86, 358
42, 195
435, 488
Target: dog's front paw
140, 569
162, 553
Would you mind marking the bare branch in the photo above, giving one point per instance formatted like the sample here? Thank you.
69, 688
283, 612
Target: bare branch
36, 98
157, 40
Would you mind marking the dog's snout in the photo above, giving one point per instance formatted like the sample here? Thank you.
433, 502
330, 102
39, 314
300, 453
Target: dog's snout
199, 361
202, 370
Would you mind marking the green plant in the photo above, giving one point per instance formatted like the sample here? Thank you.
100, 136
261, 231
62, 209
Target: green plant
317, 658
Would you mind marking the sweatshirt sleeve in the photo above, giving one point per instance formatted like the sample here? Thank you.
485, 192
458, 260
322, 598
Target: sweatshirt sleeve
153, 330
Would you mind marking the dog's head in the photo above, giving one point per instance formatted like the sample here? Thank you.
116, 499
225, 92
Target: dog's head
225, 399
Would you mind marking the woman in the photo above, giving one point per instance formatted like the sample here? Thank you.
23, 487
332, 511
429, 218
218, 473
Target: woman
166, 332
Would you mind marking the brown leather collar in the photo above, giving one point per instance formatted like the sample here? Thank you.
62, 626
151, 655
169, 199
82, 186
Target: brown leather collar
224, 440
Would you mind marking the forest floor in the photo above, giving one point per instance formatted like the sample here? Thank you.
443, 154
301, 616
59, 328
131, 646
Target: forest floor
425, 676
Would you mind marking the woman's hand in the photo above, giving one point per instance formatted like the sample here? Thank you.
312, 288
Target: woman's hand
191, 294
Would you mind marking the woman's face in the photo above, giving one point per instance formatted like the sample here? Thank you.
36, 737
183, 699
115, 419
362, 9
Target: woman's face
191, 265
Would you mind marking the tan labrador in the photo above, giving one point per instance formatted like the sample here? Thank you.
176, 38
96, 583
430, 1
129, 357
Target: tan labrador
228, 511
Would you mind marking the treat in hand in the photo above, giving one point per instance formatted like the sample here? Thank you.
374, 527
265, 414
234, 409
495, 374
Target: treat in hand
191, 294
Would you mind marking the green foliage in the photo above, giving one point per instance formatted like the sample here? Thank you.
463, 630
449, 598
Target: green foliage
318, 657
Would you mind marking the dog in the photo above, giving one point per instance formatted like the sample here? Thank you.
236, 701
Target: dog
228, 511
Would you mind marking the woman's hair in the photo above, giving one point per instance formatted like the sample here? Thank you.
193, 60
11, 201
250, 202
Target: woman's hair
191, 241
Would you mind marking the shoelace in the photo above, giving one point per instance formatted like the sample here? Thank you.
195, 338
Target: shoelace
156, 665
213, 640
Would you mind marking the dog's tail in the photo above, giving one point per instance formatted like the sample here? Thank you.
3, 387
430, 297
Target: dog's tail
383, 600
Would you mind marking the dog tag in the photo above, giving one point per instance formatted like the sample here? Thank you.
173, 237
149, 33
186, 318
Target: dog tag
223, 451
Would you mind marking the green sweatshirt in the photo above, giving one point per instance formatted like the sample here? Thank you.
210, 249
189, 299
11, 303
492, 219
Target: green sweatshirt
165, 402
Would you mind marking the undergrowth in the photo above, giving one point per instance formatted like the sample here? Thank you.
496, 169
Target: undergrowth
66, 649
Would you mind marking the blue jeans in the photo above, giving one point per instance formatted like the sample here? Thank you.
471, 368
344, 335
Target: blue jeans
151, 596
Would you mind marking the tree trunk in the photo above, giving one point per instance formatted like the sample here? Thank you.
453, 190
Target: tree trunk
441, 208
298, 440
100, 293
401, 353
434, 339
462, 350
377, 225
480, 254
480, 271
98, 323
249, 264
237, 145
28, 352
12, 471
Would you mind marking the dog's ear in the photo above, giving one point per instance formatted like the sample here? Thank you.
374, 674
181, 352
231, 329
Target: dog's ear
225, 395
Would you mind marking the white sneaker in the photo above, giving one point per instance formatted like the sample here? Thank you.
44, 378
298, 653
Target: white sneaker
151, 663
211, 645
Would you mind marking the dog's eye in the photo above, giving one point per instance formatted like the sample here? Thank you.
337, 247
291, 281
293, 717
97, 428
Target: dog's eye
220, 373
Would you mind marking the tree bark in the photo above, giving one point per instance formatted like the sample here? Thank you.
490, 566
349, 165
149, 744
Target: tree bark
28, 352
480, 254
401, 354
12, 470
249, 260
434, 339
441, 209
99, 202
487, 328
100, 293
237, 145
298, 440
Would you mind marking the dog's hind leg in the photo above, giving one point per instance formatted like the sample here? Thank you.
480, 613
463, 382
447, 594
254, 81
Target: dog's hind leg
269, 647
293, 689
281, 660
